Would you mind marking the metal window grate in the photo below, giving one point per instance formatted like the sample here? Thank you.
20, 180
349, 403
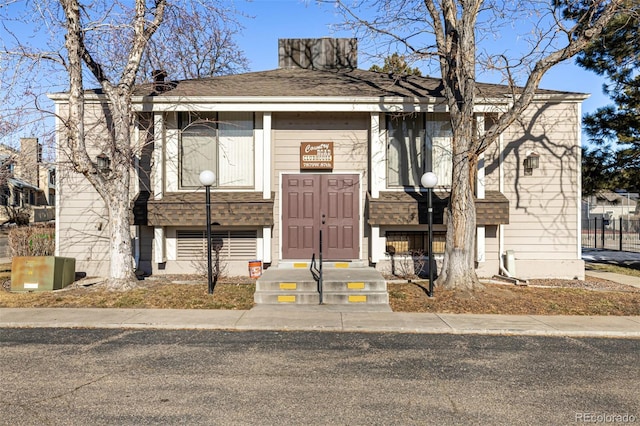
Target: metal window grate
408, 242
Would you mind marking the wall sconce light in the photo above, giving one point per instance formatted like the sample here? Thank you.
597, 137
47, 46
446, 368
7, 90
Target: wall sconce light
531, 161
103, 163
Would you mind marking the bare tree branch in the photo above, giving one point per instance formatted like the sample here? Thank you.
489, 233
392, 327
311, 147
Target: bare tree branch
454, 25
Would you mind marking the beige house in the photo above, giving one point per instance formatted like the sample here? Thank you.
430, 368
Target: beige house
319, 144
610, 205
27, 183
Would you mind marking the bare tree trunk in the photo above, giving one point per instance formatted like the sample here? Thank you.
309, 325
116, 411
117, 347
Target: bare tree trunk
458, 269
455, 37
121, 273
122, 269
111, 43
112, 185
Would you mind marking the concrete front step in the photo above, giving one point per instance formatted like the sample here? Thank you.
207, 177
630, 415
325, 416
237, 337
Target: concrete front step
332, 264
306, 298
329, 284
340, 286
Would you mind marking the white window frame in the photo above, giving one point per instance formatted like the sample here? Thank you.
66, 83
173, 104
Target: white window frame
234, 166
431, 150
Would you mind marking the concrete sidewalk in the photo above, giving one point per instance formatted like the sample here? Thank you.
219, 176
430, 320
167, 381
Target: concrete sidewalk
621, 258
345, 318
322, 318
617, 278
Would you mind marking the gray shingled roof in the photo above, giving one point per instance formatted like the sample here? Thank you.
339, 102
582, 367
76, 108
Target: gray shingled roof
310, 83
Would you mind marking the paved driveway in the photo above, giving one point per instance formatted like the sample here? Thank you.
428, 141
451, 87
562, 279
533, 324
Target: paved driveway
622, 258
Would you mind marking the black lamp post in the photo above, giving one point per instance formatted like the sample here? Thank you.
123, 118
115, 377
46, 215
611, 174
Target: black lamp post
208, 178
429, 180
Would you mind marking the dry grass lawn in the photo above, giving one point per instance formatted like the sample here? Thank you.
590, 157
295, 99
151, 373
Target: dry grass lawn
548, 297
516, 300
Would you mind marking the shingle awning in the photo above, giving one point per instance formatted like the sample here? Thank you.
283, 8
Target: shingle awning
493, 209
21, 184
410, 208
188, 209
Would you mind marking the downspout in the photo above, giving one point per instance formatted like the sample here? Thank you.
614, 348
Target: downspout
136, 184
503, 270
136, 249
57, 183
579, 185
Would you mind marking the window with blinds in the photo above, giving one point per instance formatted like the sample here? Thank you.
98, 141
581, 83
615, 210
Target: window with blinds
417, 143
439, 144
405, 149
197, 149
221, 142
233, 245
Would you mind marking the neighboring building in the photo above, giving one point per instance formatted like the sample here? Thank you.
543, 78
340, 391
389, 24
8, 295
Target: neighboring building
27, 184
610, 205
319, 143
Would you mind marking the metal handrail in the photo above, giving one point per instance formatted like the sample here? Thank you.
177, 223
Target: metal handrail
317, 271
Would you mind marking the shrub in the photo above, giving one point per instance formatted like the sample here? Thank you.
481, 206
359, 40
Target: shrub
18, 215
36, 240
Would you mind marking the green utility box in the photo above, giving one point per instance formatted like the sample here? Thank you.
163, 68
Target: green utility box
42, 273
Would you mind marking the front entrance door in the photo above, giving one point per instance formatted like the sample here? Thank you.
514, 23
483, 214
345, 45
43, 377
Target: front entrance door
312, 201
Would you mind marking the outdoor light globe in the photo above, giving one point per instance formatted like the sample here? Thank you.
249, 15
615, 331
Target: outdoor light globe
207, 177
428, 180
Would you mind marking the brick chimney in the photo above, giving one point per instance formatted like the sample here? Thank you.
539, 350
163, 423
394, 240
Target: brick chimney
158, 80
318, 53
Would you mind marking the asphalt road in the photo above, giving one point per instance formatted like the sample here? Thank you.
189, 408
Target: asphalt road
128, 377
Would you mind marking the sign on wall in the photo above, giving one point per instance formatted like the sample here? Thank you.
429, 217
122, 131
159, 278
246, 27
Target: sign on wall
316, 155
